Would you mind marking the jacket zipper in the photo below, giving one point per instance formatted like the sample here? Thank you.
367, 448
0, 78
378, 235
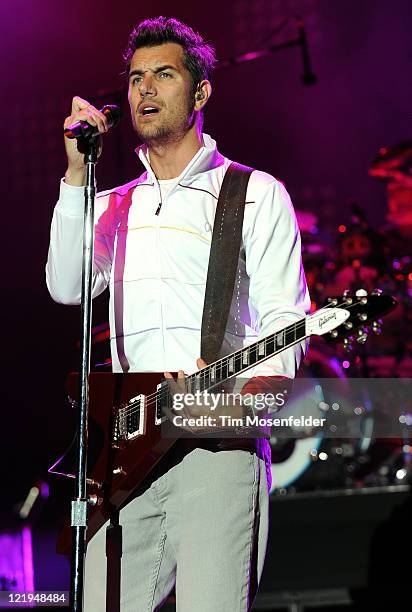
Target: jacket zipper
160, 195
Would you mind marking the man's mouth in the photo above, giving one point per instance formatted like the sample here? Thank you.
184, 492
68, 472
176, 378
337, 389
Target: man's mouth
148, 109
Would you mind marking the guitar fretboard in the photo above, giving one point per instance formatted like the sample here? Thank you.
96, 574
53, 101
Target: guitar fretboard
240, 361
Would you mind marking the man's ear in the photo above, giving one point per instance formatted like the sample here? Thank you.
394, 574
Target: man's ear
202, 95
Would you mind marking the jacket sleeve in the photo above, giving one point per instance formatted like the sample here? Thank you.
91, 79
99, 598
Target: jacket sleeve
64, 262
277, 288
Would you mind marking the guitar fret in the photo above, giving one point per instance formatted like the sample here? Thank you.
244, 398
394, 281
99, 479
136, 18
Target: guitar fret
206, 380
253, 356
198, 385
231, 364
261, 349
288, 336
245, 358
270, 345
300, 332
223, 373
280, 339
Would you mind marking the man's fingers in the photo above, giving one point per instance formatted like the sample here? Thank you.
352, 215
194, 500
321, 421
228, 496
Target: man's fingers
82, 110
201, 363
176, 385
180, 375
92, 116
78, 104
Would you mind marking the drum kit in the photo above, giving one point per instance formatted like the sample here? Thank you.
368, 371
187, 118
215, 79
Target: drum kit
359, 257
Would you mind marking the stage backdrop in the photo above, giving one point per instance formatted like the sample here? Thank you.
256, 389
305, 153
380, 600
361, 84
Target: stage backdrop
319, 140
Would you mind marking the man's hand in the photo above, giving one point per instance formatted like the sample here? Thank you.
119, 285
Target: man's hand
177, 387
209, 420
81, 111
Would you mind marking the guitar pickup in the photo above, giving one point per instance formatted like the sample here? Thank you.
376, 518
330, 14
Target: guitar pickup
130, 419
162, 399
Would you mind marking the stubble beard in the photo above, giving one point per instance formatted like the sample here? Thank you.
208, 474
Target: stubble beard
171, 131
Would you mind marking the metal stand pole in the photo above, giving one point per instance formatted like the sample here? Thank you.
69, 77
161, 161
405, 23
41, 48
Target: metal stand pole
79, 503
114, 547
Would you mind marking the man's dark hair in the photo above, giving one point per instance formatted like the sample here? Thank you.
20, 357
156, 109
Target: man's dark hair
199, 56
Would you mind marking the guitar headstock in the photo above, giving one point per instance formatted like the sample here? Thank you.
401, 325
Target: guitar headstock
352, 315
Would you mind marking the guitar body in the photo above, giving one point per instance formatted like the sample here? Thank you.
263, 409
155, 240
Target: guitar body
115, 469
125, 410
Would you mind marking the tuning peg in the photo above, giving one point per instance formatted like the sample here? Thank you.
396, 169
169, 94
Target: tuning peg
377, 327
362, 335
347, 345
376, 291
347, 296
362, 296
334, 333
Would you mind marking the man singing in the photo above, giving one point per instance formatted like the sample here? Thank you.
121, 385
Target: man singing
200, 522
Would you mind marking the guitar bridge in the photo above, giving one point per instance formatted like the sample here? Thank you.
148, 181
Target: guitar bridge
129, 422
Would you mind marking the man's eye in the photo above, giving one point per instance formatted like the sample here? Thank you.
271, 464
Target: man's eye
136, 79
164, 75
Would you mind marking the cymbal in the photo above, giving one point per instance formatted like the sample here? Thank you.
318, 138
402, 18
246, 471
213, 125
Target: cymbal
393, 162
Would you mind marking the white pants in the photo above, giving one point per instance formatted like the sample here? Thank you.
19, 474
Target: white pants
202, 527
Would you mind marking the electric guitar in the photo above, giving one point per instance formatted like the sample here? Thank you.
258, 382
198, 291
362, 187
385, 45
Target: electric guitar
125, 410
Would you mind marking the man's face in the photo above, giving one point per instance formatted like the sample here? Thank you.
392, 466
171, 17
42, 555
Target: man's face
160, 94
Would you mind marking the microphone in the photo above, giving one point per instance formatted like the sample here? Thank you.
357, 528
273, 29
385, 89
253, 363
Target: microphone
308, 77
82, 129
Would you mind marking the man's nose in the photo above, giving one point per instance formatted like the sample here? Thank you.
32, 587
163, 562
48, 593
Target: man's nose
147, 85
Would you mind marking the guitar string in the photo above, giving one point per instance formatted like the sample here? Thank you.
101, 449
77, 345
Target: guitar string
201, 375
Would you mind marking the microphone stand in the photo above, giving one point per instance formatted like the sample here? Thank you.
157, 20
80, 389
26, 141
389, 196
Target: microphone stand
308, 77
79, 503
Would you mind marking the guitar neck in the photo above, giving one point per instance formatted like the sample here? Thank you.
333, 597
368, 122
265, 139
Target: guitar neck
240, 361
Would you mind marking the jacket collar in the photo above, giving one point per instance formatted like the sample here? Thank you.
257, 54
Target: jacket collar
206, 159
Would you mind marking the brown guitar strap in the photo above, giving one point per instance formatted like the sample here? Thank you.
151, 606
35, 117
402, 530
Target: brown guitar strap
223, 259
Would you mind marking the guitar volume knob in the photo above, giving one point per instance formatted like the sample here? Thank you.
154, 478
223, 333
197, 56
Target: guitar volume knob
94, 500
119, 470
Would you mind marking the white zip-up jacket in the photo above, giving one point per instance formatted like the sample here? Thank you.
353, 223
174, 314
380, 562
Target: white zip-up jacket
156, 265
